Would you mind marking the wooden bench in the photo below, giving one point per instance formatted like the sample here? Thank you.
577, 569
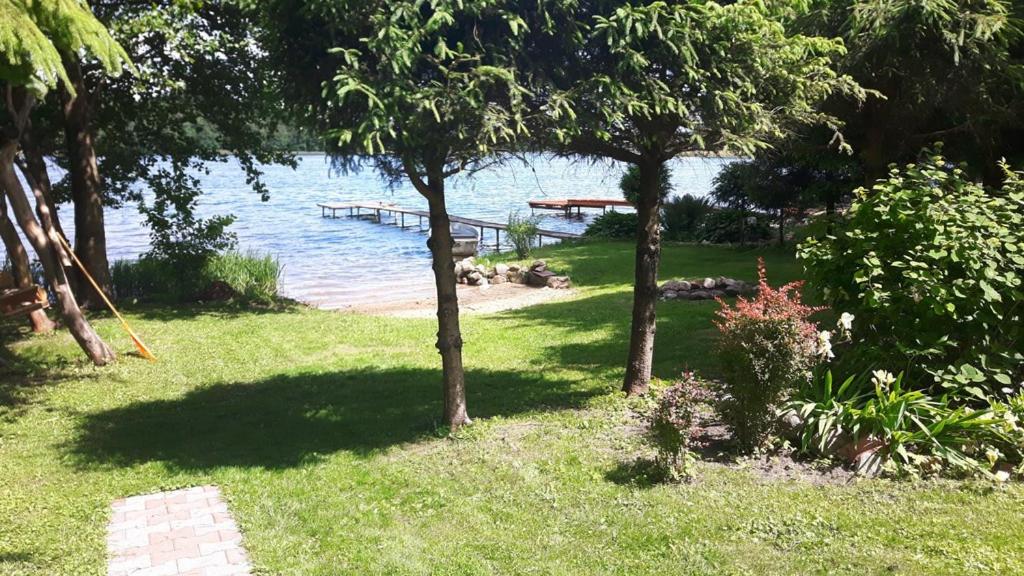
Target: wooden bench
23, 301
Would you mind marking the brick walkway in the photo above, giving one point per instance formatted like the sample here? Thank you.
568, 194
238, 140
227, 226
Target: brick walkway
184, 532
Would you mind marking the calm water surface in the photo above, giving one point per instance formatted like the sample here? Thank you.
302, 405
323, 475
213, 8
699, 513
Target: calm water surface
334, 263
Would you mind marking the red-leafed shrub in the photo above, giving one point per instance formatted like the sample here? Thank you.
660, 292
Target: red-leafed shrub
768, 345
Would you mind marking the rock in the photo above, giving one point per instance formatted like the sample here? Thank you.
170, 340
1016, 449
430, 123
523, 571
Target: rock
539, 266
538, 277
734, 288
514, 268
516, 277
474, 278
717, 294
864, 455
700, 295
470, 260
501, 269
671, 294
684, 286
499, 279
458, 269
721, 282
558, 282
709, 283
488, 273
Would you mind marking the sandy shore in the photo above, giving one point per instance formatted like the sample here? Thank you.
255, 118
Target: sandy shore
472, 300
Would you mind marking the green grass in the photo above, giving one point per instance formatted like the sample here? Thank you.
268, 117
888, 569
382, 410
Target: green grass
321, 430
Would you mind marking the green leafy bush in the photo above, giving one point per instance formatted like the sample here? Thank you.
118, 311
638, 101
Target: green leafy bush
931, 264
672, 424
767, 347
521, 231
613, 225
683, 216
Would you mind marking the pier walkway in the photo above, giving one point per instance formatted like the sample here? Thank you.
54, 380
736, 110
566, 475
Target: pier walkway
399, 215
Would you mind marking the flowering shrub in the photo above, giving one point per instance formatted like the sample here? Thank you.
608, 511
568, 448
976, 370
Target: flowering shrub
932, 264
912, 432
672, 423
767, 346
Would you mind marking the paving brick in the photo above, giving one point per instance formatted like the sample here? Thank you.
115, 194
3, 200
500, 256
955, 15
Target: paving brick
176, 533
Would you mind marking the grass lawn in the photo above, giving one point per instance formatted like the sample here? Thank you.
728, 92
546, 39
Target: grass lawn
321, 430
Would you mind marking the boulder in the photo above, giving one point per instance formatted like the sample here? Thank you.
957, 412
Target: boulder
671, 294
558, 282
864, 455
735, 288
499, 279
709, 283
538, 266
514, 268
538, 277
458, 269
721, 282
501, 269
684, 286
700, 295
474, 278
717, 294
516, 277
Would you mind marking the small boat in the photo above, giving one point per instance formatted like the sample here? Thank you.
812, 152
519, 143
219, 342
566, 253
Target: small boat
466, 238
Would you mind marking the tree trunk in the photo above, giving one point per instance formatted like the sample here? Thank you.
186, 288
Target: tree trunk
20, 267
90, 233
34, 170
873, 154
48, 251
449, 335
645, 284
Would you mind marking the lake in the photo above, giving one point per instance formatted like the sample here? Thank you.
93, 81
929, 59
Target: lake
335, 263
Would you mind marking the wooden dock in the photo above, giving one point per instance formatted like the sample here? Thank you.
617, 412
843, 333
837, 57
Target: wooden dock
399, 214
567, 205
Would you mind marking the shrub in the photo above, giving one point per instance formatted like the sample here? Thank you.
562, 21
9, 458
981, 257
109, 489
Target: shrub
931, 263
521, 231
613, 225
630, 183
767, 346
916, 433
683, 216
672, 424
732, 226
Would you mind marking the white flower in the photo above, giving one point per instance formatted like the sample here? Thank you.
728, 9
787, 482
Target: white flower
882, 378
846, 321
825, 344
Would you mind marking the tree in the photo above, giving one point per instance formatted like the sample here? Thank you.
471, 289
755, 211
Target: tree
203, 87
32, 38
945, 69
644, 83
419, 91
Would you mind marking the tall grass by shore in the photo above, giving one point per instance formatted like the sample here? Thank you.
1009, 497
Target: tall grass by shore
252, 277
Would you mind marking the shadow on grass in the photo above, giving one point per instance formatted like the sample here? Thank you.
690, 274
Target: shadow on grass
288, 420
684, 338
166, 312
26, 373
